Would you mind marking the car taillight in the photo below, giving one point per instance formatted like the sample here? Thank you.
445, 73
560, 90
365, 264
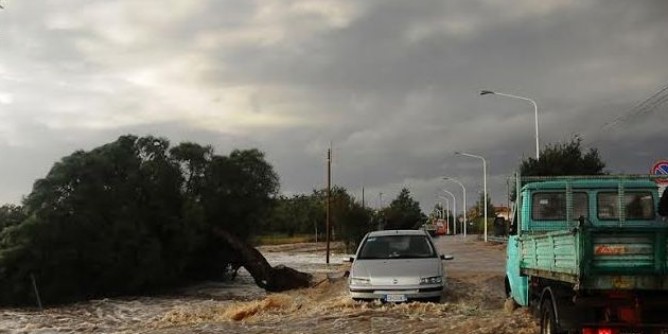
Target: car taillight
598, 331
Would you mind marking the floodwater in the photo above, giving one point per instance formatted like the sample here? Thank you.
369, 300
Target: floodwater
471, 303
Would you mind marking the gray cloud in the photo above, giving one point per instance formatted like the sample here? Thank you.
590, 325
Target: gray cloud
393, 84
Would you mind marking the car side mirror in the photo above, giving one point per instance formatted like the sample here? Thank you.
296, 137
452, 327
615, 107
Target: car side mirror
447, 257
351, 259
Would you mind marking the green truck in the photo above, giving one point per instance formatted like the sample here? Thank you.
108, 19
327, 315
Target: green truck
588, 254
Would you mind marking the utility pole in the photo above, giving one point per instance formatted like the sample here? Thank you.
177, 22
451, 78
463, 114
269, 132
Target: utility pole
381, 218
329, 194
363, 205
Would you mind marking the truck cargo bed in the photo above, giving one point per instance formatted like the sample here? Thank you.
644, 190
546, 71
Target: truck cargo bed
598, 257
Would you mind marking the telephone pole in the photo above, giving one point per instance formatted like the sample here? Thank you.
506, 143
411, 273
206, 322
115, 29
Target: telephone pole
363, 204
329, 193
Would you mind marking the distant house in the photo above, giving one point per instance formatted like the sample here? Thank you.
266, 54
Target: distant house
503, 211
501, 221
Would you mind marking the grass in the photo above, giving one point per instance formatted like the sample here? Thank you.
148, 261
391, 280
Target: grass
281, 239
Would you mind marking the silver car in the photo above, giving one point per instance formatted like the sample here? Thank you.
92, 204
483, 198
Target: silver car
397, 266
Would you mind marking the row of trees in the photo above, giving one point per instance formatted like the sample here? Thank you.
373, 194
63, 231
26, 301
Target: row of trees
305, 214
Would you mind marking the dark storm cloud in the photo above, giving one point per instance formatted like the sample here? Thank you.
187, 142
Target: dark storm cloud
393, 84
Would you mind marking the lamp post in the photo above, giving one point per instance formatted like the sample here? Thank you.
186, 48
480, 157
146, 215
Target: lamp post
446, 178
535, 111
484, 185
454, 210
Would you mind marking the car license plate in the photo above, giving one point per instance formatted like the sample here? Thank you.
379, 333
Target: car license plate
395, 298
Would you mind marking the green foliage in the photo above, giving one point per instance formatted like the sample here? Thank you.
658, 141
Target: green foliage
11, 215
350, 220
404, 212
491, 210
238, 191
300, 214
304, 214
475, 215
129, 217
564, 159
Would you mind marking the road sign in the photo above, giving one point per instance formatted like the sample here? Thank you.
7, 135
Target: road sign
660, 168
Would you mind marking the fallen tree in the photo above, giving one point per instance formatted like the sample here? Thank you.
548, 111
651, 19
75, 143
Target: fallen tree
133, 217
273, 279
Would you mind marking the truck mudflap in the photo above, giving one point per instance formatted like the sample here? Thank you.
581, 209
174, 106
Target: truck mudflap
623, 328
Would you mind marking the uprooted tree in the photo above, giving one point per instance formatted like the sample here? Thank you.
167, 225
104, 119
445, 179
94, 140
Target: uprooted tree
134, 216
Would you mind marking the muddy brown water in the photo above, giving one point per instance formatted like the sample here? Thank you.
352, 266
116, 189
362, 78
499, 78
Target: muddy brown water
471, 303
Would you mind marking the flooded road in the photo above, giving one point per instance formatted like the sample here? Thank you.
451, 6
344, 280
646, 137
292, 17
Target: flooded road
471, 303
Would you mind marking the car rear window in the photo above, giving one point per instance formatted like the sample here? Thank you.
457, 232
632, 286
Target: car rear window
397, 247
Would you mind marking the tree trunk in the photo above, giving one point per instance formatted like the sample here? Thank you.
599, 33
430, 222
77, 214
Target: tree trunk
274, 279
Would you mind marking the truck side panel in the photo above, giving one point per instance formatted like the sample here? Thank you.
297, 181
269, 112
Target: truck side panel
627, 258
554, 254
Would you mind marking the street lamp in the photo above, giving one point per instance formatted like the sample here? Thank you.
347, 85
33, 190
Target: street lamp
454, 209
447, 178
484, 184
535, 111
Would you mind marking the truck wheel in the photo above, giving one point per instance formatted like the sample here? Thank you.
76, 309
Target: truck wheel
548, 323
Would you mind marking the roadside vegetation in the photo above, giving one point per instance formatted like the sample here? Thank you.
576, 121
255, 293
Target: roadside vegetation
564, 158
130, 217
137, 215
306, 215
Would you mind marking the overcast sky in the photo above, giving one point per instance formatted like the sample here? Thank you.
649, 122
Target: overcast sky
392, 84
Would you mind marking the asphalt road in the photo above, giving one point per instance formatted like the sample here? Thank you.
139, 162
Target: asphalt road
472, 255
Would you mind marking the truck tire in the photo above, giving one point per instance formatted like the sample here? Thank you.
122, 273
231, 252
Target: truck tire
548, 322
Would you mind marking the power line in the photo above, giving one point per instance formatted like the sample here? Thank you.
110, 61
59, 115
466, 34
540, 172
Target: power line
647, 106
